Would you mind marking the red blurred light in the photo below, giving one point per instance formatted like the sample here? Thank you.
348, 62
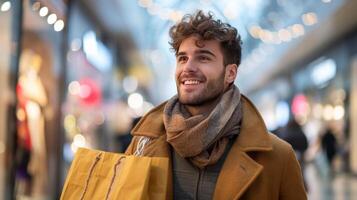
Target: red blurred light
93, 94
299, 105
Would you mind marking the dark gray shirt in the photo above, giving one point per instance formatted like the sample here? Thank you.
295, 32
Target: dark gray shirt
190, 182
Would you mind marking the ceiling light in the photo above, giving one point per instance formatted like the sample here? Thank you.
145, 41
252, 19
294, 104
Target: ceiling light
266, 36
59, 25
262, 34
309, 18
297, 30
52, 18
43, 11
6, 6
176, 16
284, 35
254, 31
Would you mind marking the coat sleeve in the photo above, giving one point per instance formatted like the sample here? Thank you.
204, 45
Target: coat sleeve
292, 185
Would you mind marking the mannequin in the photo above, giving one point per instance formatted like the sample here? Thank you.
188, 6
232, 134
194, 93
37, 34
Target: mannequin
32, 100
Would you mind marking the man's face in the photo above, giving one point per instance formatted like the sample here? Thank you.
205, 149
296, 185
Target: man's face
200, 73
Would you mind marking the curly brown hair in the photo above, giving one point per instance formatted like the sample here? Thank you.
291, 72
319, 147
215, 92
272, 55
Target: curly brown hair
207, 28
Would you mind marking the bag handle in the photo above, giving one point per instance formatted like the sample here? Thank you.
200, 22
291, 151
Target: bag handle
97, 158
114, 175
143, 140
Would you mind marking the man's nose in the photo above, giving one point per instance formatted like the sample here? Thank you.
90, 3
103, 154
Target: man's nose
190, 66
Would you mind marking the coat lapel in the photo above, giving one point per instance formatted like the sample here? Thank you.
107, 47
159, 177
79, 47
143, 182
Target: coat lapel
239, 169
237, 173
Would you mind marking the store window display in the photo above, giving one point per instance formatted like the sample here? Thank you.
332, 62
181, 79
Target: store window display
31, 171
39, 77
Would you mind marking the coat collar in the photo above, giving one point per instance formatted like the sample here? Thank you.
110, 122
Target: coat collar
253, 135
152, 124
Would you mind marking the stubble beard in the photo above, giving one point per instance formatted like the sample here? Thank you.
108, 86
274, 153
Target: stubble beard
212, 91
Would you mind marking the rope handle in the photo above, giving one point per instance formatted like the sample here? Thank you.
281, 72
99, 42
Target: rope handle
97, 158
141, 145
114, 175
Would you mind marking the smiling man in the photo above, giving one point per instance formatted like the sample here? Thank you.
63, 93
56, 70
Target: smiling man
214, 137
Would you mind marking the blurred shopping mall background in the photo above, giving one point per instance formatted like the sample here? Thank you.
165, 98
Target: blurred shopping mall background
79, 73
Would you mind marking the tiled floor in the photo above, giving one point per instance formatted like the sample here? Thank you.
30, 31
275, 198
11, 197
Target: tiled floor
323, 187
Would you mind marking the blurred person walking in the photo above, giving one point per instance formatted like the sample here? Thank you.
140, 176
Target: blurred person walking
295, 136
329, 147
215, 138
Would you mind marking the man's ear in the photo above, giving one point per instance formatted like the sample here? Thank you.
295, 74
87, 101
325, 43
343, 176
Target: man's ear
231, 73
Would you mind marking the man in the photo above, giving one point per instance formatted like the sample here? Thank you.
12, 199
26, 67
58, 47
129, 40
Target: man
216, 140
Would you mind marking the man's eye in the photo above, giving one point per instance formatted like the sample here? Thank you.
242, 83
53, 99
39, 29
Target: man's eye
181, 59
203, 58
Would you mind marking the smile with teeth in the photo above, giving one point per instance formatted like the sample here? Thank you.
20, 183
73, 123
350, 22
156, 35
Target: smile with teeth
191, 82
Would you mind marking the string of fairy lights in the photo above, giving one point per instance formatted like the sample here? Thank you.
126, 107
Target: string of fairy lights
285, 34
268, 37
51, 18
43, 11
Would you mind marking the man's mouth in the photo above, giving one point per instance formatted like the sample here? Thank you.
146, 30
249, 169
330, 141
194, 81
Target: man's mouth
191, 82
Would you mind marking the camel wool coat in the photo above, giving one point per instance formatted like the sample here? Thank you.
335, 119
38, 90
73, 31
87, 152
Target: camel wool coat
259, 166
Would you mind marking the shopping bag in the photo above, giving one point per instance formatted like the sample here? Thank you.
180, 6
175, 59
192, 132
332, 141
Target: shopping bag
158, 178
102, 175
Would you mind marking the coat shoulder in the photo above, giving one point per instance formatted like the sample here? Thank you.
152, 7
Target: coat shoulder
279, 145
281, 152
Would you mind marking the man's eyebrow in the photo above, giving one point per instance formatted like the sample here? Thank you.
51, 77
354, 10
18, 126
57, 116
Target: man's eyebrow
200, 51
181, 53
203, 51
